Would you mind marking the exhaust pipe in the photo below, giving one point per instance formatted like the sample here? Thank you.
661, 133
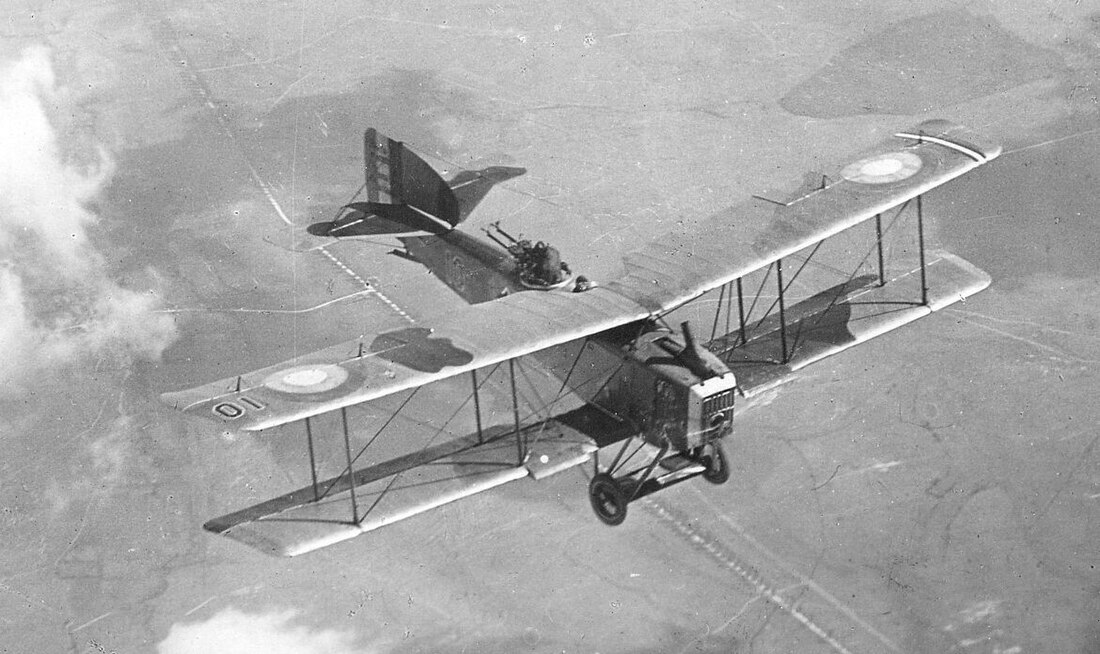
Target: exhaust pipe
692, 356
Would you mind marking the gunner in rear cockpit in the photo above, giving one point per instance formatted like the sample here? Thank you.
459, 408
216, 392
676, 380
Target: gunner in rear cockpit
546, 266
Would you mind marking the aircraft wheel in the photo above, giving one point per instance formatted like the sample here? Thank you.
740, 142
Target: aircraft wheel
718, 470
608, 499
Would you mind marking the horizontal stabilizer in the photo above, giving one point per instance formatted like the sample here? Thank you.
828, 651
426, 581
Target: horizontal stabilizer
471, 186
376, 219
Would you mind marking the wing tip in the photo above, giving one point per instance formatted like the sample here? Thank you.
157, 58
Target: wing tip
977, 280
180, 400
278, 545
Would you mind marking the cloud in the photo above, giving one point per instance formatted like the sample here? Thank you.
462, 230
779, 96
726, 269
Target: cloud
57, 302
233, 632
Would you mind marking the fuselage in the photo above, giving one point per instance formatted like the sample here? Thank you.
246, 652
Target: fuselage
476, 270
641, 373
638, 374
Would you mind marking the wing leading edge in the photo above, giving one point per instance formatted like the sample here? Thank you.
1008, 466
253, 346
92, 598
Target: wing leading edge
666, 273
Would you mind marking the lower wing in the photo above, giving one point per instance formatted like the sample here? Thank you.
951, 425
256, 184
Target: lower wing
844, 316
345, 506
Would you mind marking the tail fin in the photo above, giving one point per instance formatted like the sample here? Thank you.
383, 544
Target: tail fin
397, 172
405, 194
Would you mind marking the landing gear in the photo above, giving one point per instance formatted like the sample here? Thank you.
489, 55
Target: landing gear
717, 470
608, 498
611, 491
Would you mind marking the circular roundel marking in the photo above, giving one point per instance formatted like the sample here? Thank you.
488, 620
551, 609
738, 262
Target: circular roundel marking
316, 378
882, 168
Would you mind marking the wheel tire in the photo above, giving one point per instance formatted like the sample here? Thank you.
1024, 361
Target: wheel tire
718, 470
608, 499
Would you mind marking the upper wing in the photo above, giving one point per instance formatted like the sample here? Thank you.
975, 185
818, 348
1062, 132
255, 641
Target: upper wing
669, 271
360, 370
680, 266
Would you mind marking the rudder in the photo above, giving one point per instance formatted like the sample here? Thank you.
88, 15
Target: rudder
393, 170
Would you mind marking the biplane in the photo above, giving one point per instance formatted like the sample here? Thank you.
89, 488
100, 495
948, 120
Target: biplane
543, 370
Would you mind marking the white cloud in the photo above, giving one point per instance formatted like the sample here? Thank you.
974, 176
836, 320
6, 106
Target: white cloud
57, 302
233, 632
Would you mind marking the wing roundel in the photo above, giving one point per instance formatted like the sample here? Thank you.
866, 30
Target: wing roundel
884, 168
310, 382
